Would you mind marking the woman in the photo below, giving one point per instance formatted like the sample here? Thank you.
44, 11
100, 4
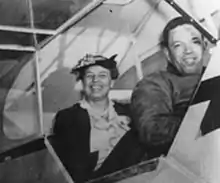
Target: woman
92, 138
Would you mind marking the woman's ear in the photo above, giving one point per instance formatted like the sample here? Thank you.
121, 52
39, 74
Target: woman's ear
78, 86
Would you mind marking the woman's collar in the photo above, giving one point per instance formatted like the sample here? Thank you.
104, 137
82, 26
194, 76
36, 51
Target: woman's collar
85, 104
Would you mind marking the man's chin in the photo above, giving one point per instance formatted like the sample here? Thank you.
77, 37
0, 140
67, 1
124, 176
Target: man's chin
192, 71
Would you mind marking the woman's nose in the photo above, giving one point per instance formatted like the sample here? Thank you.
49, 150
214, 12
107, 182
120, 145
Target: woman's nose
95, 78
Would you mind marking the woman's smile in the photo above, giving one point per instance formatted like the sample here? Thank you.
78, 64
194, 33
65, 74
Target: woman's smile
96, 88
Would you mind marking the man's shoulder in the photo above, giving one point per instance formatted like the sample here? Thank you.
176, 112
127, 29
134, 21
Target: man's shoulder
156, 77
163, 74
153, 85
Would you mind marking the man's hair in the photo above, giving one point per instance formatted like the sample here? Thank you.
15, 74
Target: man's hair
172, 24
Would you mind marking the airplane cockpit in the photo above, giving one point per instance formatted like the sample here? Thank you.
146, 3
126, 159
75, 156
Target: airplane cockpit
41, 41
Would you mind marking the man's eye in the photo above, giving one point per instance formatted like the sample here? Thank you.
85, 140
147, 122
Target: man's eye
197, 42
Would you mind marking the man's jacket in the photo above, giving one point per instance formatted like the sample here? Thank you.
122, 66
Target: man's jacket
159, 102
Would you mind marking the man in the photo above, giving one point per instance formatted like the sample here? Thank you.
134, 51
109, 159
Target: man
159, 101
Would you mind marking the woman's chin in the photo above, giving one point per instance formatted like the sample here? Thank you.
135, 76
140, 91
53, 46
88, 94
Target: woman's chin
96, 97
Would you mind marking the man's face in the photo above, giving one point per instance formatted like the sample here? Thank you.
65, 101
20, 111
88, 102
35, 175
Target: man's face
186, 49
97, 82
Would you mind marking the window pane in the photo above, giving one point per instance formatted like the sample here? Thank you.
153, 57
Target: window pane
19, 117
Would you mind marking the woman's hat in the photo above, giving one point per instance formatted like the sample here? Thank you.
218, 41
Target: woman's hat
91, 60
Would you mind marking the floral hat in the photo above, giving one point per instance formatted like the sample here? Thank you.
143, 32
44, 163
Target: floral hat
91, 60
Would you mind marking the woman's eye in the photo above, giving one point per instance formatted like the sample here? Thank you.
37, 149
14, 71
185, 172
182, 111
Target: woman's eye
177, 45
89, 75
103, 75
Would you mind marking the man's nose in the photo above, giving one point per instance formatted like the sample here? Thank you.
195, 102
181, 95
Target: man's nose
188, 49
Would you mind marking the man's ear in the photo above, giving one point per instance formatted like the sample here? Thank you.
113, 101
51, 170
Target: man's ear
167, 53
205, 44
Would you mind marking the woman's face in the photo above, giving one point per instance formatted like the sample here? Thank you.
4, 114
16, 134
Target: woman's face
96, 83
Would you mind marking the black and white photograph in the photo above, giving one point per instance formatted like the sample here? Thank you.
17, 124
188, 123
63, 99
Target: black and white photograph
104, 91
